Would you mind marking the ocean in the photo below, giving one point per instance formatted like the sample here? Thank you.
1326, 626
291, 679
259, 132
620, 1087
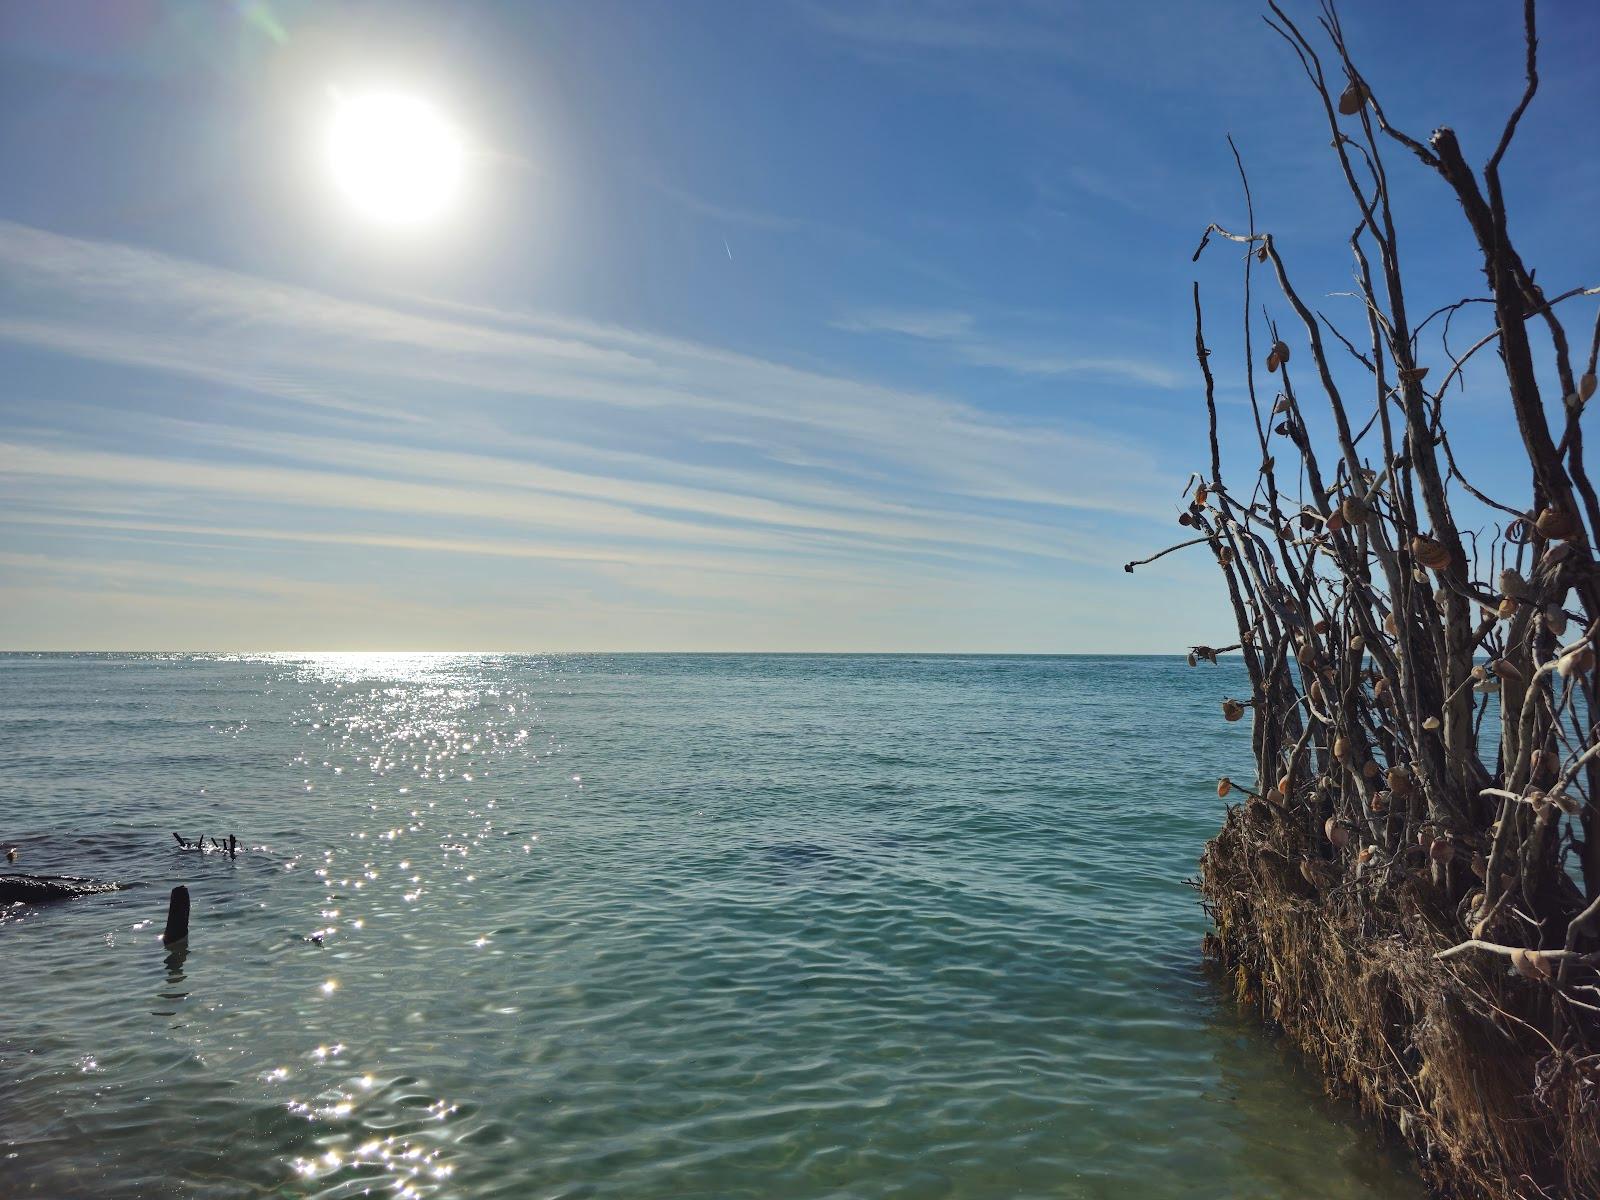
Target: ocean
637, 926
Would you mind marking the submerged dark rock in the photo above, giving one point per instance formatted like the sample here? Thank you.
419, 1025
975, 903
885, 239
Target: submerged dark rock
36, 889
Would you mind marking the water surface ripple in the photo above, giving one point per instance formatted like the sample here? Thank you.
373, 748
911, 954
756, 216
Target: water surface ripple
634, 926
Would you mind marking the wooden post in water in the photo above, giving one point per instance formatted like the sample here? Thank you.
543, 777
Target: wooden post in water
176, 934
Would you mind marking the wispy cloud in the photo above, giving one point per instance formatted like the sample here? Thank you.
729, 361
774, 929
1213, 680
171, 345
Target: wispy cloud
967, 342
242, 412
950, 25
523, 371
935, 325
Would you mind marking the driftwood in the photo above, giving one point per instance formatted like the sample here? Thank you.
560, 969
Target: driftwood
1412, 889
38, 889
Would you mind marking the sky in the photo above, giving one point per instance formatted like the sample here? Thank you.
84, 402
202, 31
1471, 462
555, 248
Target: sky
801, 325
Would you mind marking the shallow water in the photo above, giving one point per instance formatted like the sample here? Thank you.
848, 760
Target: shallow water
635, 926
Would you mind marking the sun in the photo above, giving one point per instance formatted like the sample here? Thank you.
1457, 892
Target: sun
395, 158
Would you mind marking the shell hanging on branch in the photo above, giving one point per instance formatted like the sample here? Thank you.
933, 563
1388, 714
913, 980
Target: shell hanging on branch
1555, 619
1278, 356
1413, 374
1232, 710
1224, 786
1337, 834
1355, 510
1576, 662
1508, 671
1555, 523
1530, 964
1353, 97
1429, 552
1513, 584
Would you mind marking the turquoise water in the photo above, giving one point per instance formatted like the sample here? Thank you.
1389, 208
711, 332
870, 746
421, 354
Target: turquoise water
635, 926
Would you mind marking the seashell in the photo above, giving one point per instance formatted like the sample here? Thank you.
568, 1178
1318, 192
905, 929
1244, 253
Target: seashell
1306, 655
1353, 97
1379, 803
1576, 662
1224, 786
1232, 710
1341, 747
1372, 770
1380, 689
1508, 670
1388, 624
1513, 584
1565, 803
1279, 356
1281, 405
1399, 781
1555, 523
1358, 644
1507, 609
1321, 626
1355, 510
1336, 521
1225, 555
1314, 692
1486, 687
1431, 724
1367, 854
1441, 850
1413, 374
1272, 359
1555, 619
1337, 834
1185, 519
1555, 553
1429, 552
1193, 660
1586, 386
1530, 964
1548, 764
1200, 495
1261, 254
1285, 786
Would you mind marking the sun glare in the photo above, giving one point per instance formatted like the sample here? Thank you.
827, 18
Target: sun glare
394, 158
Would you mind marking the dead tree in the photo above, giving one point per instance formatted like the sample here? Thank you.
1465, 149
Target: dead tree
1411, 888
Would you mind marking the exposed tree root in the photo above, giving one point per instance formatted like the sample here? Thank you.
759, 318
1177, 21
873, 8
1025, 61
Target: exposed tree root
1448, 1055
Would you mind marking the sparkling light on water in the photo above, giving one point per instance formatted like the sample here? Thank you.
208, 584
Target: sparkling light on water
636, 927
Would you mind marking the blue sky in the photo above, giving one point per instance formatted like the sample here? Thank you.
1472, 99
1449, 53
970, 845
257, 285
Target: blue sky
801, 325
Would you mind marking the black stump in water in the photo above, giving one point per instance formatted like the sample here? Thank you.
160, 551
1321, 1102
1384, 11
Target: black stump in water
177, 930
